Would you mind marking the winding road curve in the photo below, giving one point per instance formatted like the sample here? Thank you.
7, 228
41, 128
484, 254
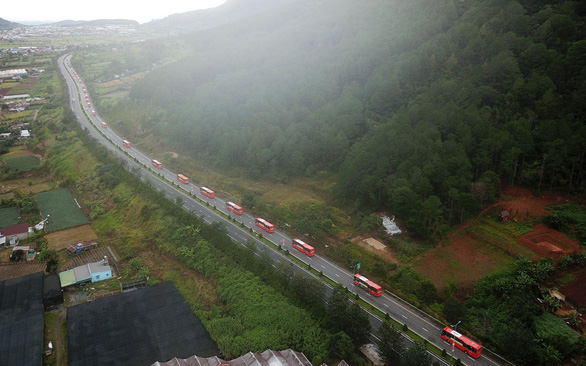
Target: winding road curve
166, 181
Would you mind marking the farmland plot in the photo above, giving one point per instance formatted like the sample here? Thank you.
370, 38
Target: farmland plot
63, 209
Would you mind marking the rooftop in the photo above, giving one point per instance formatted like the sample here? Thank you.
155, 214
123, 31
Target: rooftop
21, 328
136, 328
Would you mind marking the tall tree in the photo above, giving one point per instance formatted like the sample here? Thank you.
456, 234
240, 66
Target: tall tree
390, 345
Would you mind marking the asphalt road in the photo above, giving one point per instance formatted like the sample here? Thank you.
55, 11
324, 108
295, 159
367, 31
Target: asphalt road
166, 181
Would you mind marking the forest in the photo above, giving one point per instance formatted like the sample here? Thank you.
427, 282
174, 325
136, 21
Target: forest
421, 108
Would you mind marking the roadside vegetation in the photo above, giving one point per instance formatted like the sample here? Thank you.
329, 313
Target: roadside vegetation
420, 131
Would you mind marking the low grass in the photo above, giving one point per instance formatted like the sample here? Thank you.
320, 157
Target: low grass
18, 115
8, 216
64, 211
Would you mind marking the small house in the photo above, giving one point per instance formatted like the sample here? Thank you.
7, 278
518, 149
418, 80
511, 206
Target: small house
504, 215
13, 234
90, 272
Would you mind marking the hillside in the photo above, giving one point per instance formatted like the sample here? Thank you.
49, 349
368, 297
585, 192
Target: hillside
5, 24
197, 20
427, 107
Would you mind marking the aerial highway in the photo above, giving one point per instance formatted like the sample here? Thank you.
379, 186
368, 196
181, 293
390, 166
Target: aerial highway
193, 200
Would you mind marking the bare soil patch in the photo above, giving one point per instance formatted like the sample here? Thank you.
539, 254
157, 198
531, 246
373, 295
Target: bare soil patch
463, 261
547, 242
470, 254
63, 238
523, 205
384, 252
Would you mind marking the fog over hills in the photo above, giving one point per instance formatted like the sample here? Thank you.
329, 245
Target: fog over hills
6, 24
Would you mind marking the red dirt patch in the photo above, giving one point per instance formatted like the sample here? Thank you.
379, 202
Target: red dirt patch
469, 256
547, 242
576, 290
460, 262
522, 204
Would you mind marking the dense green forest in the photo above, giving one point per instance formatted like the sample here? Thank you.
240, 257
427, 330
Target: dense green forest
422, 108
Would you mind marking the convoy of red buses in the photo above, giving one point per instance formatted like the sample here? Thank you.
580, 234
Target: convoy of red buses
182, 178
207, 192
449, 335
303, 247
368, 285
234, 208
265, 225
157, 164
467, 345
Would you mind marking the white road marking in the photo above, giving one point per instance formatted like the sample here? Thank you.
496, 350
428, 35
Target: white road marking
425, 329
404, 316
386, 305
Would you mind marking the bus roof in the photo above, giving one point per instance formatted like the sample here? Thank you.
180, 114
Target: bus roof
367, 281
463, 338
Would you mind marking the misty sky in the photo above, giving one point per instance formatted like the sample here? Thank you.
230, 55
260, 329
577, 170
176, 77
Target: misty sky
141, 11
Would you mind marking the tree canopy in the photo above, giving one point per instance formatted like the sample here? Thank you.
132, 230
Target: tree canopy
422, 108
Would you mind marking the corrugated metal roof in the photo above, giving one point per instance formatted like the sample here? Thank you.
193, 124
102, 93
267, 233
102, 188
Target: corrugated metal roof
82, 273
267, 358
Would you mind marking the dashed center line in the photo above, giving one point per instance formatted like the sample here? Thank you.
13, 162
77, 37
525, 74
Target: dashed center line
425, 329
404, 316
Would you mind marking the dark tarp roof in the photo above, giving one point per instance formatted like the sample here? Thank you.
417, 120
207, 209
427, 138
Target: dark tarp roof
136, 328
52, 293
21, 320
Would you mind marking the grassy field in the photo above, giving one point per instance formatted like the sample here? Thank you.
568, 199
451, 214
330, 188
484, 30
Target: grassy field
21, 163
8, 216
62, 207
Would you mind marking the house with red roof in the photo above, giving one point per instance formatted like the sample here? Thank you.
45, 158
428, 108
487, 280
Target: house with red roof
11, 235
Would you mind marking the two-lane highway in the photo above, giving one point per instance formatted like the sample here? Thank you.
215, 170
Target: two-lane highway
166, 181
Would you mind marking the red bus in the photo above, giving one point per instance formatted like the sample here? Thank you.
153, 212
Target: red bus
303, 247
265, 225
207, 192
126, 143
93, 112
234, 208
104, 124
367, 284
157, 164
467, 345
182, 178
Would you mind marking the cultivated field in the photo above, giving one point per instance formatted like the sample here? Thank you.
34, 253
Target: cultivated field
21, 163
8, 216
14, 270
63, 238
90, 256
63, 209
